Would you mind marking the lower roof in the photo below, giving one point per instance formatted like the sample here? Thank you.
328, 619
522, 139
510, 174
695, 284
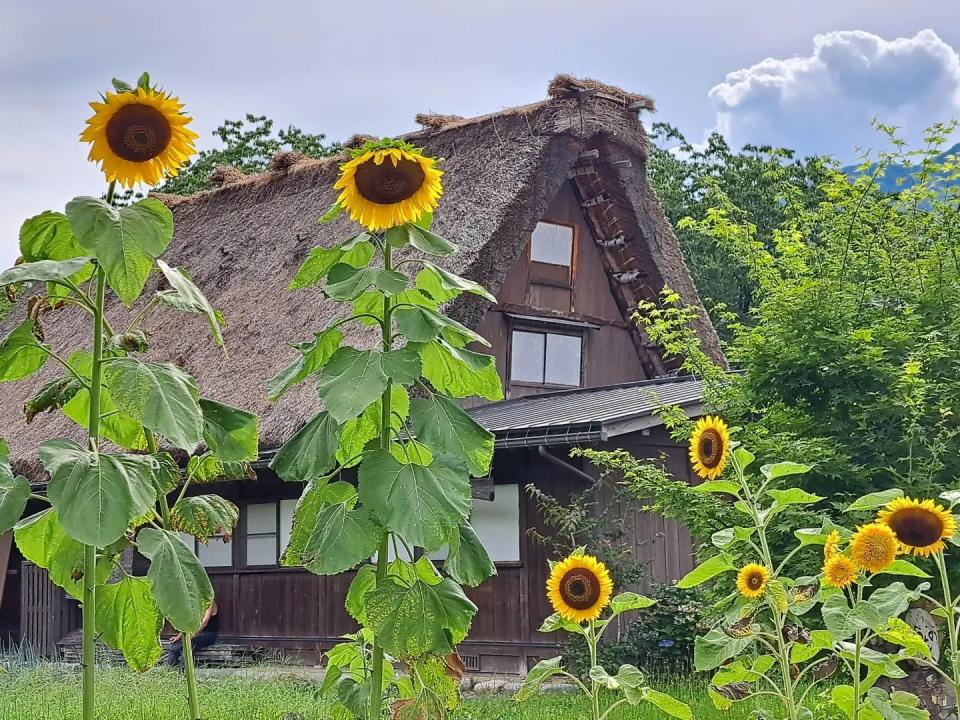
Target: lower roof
585, 415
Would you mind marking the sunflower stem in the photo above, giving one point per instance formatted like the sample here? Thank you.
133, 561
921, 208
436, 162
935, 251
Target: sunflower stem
950, 610
386, 330
190, 671
857, 661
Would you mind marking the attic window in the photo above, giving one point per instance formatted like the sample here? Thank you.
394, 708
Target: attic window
552, 244
545, 358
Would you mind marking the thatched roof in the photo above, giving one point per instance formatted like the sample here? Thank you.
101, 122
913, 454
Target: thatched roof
244, 240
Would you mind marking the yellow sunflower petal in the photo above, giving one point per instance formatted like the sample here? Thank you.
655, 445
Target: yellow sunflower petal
921, 527
579, 588
710, 447
752, 581
874, 547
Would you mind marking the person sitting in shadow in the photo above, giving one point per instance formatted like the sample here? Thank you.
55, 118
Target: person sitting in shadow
205, 636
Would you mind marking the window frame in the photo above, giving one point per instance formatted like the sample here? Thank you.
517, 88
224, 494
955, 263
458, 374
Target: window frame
545, 330
246, 535
544, 273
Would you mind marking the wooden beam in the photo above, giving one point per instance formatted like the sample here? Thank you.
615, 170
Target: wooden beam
6, 545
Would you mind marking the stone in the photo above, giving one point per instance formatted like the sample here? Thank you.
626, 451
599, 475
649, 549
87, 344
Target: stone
466, 683
488, 687
512, 688
558, 688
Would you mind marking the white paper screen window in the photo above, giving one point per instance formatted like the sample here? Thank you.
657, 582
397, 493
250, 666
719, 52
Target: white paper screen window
526, 357
552, 244
262, 534
562, 365
497, 524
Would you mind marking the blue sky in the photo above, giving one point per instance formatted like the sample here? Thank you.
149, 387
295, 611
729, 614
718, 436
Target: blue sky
806, 74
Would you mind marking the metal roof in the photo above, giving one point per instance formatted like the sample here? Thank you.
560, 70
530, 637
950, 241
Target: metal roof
586, 414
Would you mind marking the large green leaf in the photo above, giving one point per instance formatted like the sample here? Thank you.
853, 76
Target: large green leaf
350, 381
48, 236
187, 297
872, 501
180, 584
715, 648
204, 516
314, 498
538, 675
311, 453
14, 493
424, 505
467, 561
452, 281
21, 354
365, 428
626, 601
422, 324
707, 570
115, 426
313, 356
666, 703
43, 541
444, 427
125, 241
161, 396
230, 433
43, 271
460, 373
793, 496
782, 469
417, 618
421, 238
97, 495
843, 621
341, 539
356, 252
129, 620
345, 282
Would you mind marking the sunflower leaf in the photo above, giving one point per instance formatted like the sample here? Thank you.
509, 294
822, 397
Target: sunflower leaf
452, 281
872, 501
21, 354
707, 570
187, 297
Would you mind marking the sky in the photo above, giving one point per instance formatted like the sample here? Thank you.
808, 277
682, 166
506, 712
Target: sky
806, 74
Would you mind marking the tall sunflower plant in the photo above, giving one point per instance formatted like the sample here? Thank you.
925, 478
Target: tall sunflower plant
580, 590
765, 646
121, 488
388, 460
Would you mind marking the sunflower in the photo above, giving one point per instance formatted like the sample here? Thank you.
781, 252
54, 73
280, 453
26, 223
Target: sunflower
920, 526
874, 547
832, 546
710, 447
752, 580
579, 588
387, 184
839, 571
139, 136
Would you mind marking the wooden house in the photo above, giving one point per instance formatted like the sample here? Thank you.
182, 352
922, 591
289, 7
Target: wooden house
551, 208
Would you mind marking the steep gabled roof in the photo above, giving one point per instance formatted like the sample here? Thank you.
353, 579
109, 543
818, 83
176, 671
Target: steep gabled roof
243, 242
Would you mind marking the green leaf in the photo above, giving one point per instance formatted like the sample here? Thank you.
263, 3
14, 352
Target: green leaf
743, 457
180, 585
843, 621
331, 214
350, 381
905, 568
707, 570
117, 427
782, 469
670, 705
444, 427
411, 620
452, 281
421, 238
21, 354
468, 562
894, 599
538, 675
187, 297
422, 324
630, 601
14, 494
424, 505
48, 236
402, 365
42, 540
345, 282
125, 241
230, 433
43, 271
778, 595
872, 501
794, 496
311, 453
129, 620
899, 633
97, 495
728, 537
203, 516
341, 540
553, 623
313, 356
363, 582
715, 648
321, 260
460, 373
719, 486
160, 396
951, 496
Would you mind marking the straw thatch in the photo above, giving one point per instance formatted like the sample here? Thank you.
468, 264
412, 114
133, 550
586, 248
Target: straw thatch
225, 175
566, 86
243, 242
435, 121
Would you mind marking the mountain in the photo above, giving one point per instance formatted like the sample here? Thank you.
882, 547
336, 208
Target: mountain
898, 177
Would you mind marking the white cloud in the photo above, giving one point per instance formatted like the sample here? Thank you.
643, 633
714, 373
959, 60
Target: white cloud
825, 102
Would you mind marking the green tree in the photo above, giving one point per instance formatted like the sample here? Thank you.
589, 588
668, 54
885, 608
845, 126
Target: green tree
248, 145
762, 181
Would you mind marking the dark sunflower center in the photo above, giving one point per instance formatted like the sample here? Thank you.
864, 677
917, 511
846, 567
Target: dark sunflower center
580, 588
710, 448
138, 133
916, 527
385, 184
755, 581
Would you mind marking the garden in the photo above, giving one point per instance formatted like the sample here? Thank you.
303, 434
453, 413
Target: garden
826, 491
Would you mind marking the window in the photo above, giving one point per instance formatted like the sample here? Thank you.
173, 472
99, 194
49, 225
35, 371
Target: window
552, 244
214, 554
268, 528
545, 358
497, 524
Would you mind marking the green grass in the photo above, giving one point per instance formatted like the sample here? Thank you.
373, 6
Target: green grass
48, 692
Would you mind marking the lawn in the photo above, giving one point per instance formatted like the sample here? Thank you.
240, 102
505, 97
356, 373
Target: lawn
51, 693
